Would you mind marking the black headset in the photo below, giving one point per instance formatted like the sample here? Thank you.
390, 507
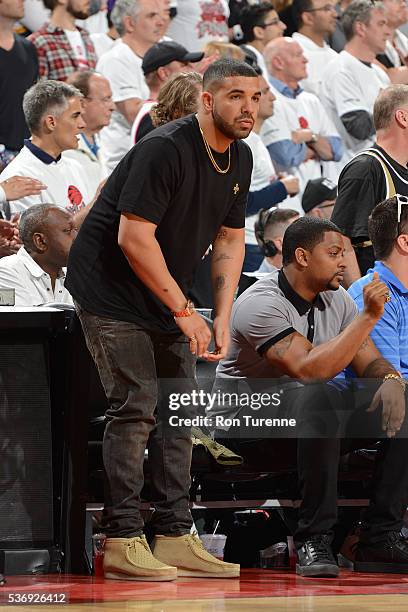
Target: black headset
268, 247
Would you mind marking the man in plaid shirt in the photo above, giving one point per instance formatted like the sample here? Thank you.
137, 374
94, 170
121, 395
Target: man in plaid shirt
61, 46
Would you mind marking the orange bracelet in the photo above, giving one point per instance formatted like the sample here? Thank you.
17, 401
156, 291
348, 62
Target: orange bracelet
186, 312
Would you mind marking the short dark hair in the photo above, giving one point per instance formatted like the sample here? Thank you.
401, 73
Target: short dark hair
305, 233
358, 10
252, 16
222, 69
50, 4
33, 220
298, 8
383, 227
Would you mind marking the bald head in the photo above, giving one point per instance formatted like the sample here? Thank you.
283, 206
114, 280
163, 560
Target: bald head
285, 60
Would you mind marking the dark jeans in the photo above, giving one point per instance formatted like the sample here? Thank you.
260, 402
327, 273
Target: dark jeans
331, 422
130, 361
318, 461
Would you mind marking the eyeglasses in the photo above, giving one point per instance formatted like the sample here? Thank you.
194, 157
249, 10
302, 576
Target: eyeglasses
327, 8
275, 21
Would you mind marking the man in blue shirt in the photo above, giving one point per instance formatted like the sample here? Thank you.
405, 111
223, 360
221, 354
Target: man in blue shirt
388, 230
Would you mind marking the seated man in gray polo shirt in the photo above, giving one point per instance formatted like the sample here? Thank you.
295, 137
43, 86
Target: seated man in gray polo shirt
300, 323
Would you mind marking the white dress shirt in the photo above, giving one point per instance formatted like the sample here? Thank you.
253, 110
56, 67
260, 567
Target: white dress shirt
31, 283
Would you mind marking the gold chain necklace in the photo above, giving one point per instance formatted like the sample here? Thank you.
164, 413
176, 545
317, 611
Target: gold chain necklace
211, 156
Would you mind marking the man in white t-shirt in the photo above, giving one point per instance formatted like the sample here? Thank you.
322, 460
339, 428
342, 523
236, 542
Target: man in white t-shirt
52, 110
198, 22
37, 271
395, 56
299, 136
266, 189
316, 21
260, 23
103, 41
352, 81
139, 23
97, 108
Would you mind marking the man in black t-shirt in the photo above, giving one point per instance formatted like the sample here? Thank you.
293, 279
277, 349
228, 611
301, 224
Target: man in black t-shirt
18, 71
182, 188
371, 177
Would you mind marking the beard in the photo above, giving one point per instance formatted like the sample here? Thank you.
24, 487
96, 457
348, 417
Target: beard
229, 129
78, 14
333, 284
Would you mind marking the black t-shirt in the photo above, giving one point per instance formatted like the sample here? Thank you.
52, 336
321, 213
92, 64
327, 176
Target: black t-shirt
18, 71
169, 180
385, 61
145, 127
361, 187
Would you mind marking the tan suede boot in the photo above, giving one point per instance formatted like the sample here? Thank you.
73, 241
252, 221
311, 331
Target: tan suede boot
188, 554
132, 559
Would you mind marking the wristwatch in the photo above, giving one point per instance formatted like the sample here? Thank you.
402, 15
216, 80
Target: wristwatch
395, 376
187, 311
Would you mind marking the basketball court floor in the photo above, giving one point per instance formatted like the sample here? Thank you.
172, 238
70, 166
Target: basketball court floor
256, 590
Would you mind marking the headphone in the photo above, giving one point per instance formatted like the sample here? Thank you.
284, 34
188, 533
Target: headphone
269, 248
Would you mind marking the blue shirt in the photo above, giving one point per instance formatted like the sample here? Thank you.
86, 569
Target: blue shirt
284, 89
390, 335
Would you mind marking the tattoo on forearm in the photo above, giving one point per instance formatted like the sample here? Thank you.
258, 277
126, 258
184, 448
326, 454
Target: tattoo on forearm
222, 233
222, 257
220, 282
378, 369
282, 346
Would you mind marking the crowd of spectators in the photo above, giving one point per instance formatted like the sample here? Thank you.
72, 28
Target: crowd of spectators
79, 90
319, 87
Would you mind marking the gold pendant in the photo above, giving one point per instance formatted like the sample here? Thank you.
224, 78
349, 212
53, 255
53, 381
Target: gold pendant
236, 188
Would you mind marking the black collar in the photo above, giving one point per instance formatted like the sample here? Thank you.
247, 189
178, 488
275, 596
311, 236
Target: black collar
301, 305
42, 155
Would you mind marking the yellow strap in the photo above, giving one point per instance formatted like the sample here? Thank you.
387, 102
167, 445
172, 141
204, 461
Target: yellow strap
391, 191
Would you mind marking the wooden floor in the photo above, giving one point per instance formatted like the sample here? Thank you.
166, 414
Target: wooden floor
256, 590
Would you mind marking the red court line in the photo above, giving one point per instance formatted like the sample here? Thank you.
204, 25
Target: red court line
253, 583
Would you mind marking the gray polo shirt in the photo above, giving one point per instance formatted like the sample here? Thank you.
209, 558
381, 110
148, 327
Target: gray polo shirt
270, 310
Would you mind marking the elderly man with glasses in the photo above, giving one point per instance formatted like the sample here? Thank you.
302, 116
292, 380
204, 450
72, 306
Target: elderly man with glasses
97, 108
